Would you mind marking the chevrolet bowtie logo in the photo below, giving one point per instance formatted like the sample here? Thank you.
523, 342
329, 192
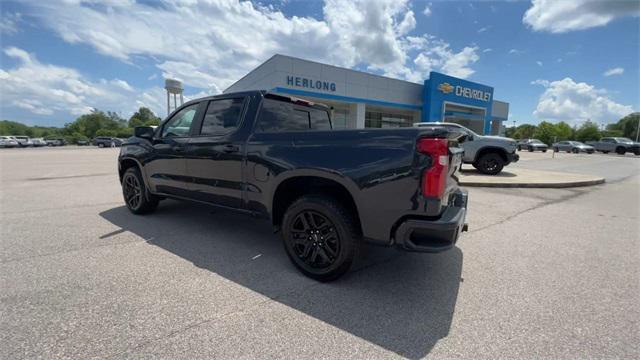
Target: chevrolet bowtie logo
445, 88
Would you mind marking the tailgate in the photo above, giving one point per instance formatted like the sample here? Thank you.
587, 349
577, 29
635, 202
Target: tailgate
455, 161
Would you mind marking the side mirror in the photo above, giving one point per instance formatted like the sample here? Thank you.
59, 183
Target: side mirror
469, 137
144, 132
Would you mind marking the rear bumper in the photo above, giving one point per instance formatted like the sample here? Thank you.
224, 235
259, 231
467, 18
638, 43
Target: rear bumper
426, 235
511, 158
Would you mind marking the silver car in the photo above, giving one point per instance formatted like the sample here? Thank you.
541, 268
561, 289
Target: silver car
8, 142
572, 147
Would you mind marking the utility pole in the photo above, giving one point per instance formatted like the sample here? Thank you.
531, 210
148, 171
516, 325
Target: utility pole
638, 129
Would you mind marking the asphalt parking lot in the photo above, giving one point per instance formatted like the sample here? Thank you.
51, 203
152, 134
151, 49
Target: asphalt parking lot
542, 273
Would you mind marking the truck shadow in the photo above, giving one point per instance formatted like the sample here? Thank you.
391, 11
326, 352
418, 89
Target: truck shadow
400, 301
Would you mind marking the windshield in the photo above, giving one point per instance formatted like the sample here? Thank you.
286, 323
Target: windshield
624, 140
535, 141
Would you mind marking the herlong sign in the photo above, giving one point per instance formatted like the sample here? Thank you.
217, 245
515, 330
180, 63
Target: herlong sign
302, 82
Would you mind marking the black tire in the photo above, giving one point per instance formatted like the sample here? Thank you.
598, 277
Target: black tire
605, 152
544, 150
530, 149
636, 152
620, 150
519, 148
490, 164
576, 151
555, 149
136, 196
321, 237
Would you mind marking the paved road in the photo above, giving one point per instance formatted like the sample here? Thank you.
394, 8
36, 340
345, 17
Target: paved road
541, 274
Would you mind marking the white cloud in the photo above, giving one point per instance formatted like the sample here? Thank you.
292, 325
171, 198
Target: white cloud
372, 34
436, 54
427, 10
558, 16
45, 89
542, 82
9, 22
515, 52
487, 50
211, 44
539, 63
614, 71
567, 100
483, 29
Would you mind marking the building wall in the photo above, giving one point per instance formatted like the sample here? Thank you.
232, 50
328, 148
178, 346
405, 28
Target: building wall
353, 94
300, 77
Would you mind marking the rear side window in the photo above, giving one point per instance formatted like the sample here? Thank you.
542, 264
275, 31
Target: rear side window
282, 116
319, 119
222, 116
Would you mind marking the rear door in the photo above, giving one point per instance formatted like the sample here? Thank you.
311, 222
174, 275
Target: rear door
167, 170
215, 154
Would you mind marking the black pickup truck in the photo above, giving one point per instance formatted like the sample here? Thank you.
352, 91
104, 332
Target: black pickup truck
326, 191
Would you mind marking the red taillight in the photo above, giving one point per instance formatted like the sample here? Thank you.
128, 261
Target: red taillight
434, 179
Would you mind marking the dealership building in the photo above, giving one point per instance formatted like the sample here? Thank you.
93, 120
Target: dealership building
363, 100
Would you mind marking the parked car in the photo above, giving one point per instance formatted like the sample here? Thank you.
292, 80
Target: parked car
618, 144
277, 158
38, 142
8, 142
488, 154
55, 142
23, 141
82, 142
572, 146
532, 145
106, 141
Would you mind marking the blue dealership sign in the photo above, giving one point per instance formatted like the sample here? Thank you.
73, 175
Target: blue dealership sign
440, 89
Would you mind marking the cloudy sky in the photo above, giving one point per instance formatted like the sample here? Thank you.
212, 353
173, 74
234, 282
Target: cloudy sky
552, 60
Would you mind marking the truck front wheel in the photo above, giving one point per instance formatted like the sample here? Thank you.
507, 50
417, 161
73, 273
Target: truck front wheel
320, 236
490, 164
620, 150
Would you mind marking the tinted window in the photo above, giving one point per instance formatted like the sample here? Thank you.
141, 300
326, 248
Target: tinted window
222, 116
319, 119
282, 116
180, 123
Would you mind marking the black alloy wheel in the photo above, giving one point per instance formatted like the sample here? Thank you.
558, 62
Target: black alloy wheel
315, 240
132, 191
490, 164
135, 194
320, 237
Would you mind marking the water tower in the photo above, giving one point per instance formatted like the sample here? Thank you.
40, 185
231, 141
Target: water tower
173, 87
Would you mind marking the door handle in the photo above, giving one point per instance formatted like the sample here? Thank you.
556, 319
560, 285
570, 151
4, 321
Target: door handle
178, 148
231, 148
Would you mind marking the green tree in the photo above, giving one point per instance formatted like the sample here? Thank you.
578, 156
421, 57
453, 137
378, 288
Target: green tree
563, 131
545, 132
89, 124
588, 132
143, 117
524, 131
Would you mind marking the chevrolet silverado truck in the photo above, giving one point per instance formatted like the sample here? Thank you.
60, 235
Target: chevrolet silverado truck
326, 191
488, 154
618, 144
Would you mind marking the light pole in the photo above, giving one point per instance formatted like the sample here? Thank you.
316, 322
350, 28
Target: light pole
638, 129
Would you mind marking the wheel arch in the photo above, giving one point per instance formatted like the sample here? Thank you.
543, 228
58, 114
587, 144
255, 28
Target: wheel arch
491, 149
293, 185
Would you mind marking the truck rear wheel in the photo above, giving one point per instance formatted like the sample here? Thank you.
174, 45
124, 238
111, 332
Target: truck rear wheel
620, 150
320, 236
490, 164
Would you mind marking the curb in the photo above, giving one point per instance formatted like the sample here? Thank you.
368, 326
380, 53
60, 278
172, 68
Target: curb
560, 185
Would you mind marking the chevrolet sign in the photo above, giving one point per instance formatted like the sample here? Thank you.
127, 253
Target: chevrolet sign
446, 88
